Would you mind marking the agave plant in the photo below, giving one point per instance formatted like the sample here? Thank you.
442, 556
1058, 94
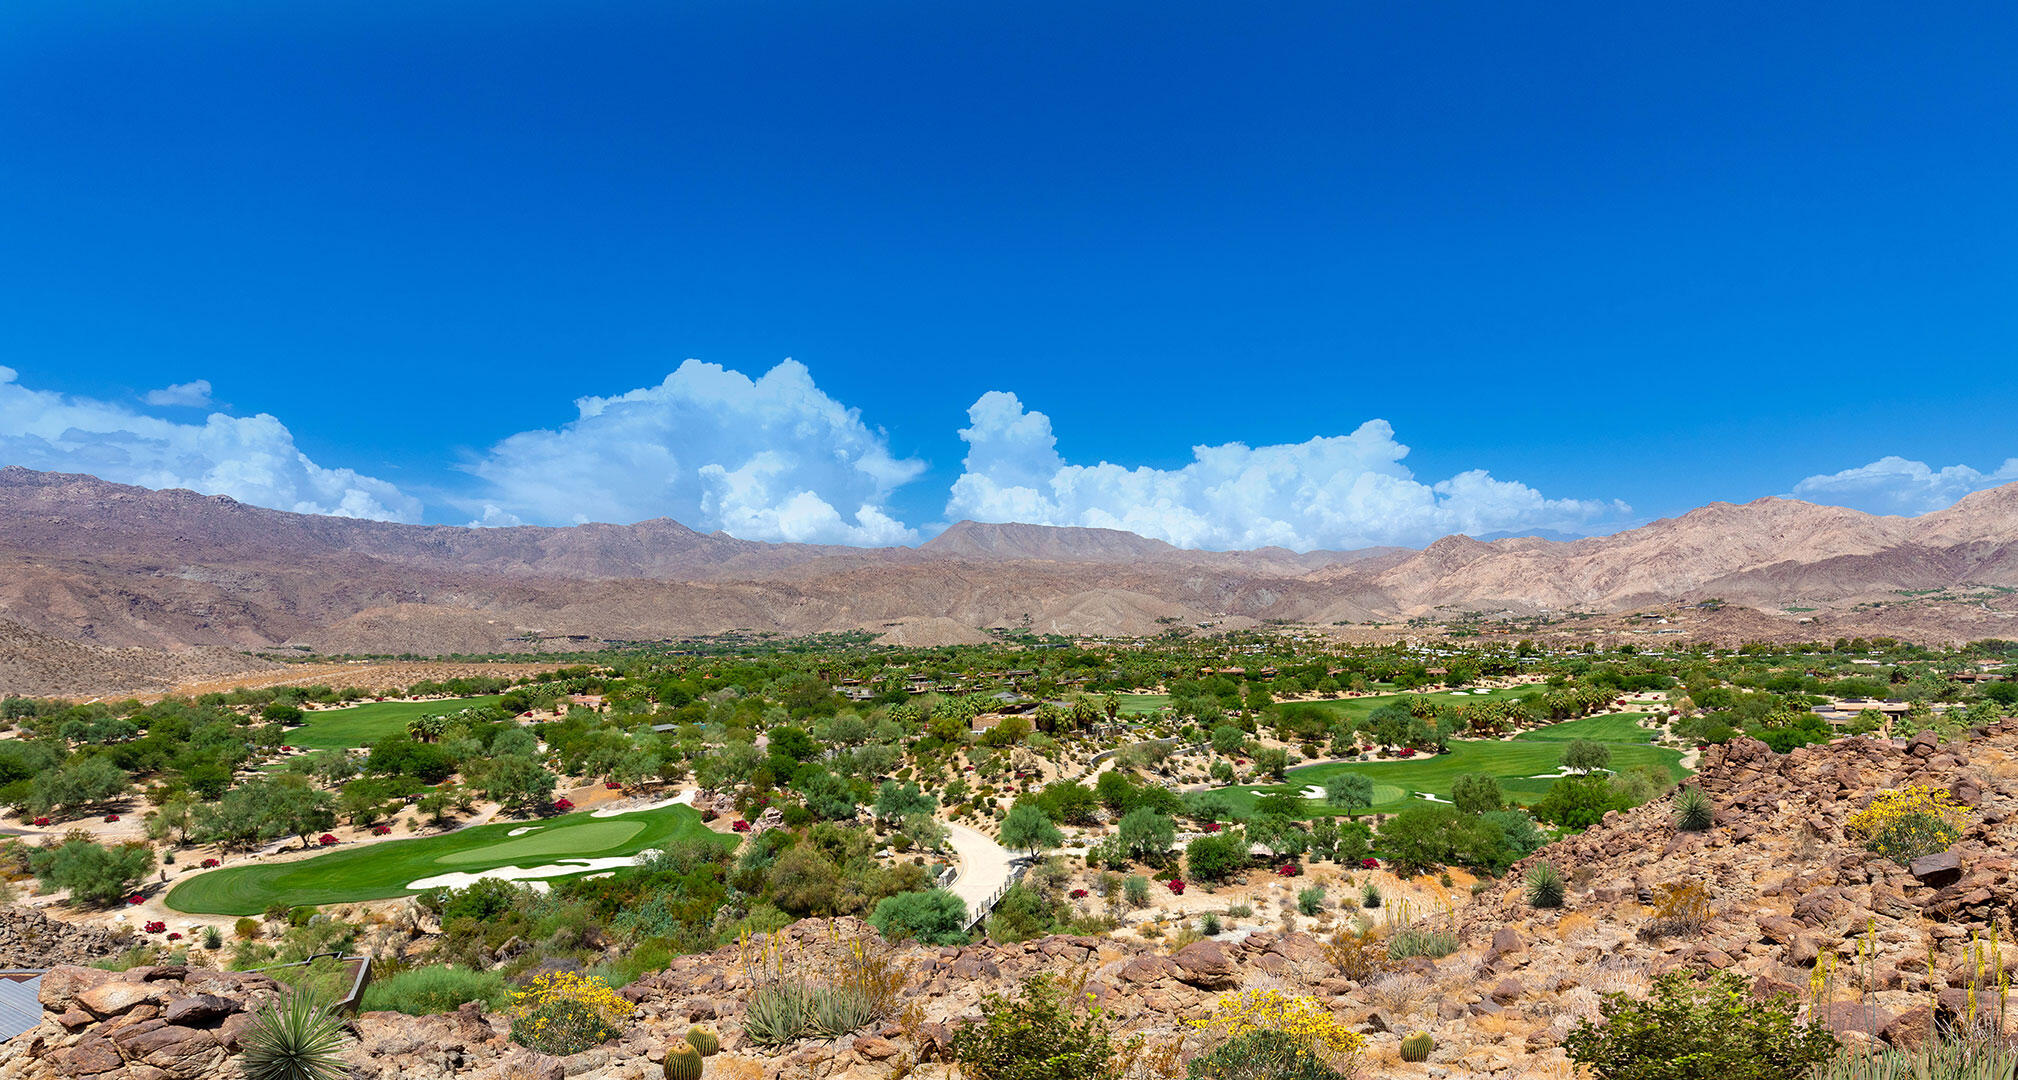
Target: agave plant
1965, 1058
295, 1039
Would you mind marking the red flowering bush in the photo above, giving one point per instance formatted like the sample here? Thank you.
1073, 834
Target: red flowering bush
154, 927
1406, 751
175, 937
1289, 870
1369, 864
211, 864
740, 825
611, 785
136, 898
1078, 894
326, 839
42, 821
381, 830
564, 804
1177, 886
1212, 826
111, 817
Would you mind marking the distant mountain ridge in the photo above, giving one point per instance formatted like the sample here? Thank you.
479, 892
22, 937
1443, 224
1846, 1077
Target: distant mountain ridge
86, 560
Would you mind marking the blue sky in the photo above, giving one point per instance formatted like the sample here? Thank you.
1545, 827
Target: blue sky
1590, 263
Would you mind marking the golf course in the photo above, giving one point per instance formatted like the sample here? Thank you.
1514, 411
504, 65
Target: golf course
342, 729
1523, 765
547, 849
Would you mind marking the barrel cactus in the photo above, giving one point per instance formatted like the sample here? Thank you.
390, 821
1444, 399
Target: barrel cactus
683, 1062
704, 1041
1417, 1047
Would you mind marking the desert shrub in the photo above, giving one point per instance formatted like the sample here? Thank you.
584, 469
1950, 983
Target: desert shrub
434, 989
1040, 1034
296, 1038
778, 1014
1413, 941
94, 873
1356, 953
1545, 886
213, 938
566, 1013
1216, 857
1272, 1035
1310, 901
1680, 908
1693, 810
245, 929
1909, 822
935, 917
1370, 896
797, 995
1135, 890
1713, 1031
1209, 925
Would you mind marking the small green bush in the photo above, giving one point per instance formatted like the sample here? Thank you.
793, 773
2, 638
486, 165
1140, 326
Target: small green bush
1039, 1034
1135, 890
1261, 1055
1693, 810
1713, 1031
294, 1039
1310, 901
1371, 897
436, 989
1411, 941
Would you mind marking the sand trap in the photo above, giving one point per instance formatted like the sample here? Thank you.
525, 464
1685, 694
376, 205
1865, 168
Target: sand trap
563, 868
1565, 773
1460, 693
1432, 797
684, 798
1313, 792
524, 829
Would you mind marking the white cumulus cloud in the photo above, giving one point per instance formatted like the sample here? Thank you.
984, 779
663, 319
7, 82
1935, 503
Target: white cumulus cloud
251, 458
771, 458
1896, 485
1340, 491
192, 395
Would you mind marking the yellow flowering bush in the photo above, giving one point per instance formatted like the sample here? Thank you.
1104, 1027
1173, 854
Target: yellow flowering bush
1306, 1022
1908, 822
566, 1013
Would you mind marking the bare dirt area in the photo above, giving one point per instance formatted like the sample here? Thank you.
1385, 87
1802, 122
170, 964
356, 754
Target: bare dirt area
34, 664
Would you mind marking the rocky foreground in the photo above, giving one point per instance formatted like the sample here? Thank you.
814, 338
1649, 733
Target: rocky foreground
1785, 889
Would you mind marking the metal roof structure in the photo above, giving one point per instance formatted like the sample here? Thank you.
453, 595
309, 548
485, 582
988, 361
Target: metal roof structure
20, 1002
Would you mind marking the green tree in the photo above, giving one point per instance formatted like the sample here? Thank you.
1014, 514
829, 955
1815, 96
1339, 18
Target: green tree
894, 800
1147, 834
1228, 740
94, 873
517, 782
1272, 761
79, 784
1028, 828
1476, 793
1585, 756
1349, 791
1217, 856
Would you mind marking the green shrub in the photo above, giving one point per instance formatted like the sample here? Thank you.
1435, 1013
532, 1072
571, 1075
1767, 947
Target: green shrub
1545, 886
1262, 1055
436, 989
1216, 856
1370, 898
935, 917
1209, 925
246, 929
1310, 901
1686, 1031
1037, 1035
1135, 890
293, 1039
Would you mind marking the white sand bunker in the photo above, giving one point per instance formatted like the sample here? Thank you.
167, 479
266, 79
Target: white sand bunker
1313, 792
1566, 772
524, 829
563, 868
684, 798
1431, 796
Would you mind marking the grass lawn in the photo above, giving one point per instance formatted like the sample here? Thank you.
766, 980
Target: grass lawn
341, 729
377, 871
1515, 763
1141, 704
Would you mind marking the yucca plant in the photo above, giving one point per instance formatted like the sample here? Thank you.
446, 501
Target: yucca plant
839, 1010
1545, 886
1977, 1058
1693, 810
296, 1039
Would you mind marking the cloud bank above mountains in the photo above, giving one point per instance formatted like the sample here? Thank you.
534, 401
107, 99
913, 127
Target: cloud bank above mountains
1341, 491
250, 458
776, 458
1895, 485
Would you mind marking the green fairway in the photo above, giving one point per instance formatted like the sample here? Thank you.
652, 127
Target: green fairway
377, 871
341, 729
1141, 704
1516, 763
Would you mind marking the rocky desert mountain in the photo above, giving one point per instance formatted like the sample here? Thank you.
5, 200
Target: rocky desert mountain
82, 560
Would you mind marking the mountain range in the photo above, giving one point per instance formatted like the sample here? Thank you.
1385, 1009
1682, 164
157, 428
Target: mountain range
84, 560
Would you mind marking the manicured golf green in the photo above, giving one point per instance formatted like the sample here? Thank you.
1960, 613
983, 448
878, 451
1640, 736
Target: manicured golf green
377, 871
341, 729
1516, 763
1141, 704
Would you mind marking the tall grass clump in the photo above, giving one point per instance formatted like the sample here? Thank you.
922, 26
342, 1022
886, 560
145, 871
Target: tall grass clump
1693, 810
798, 993
441, 988
1545, 886
1965, 1058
